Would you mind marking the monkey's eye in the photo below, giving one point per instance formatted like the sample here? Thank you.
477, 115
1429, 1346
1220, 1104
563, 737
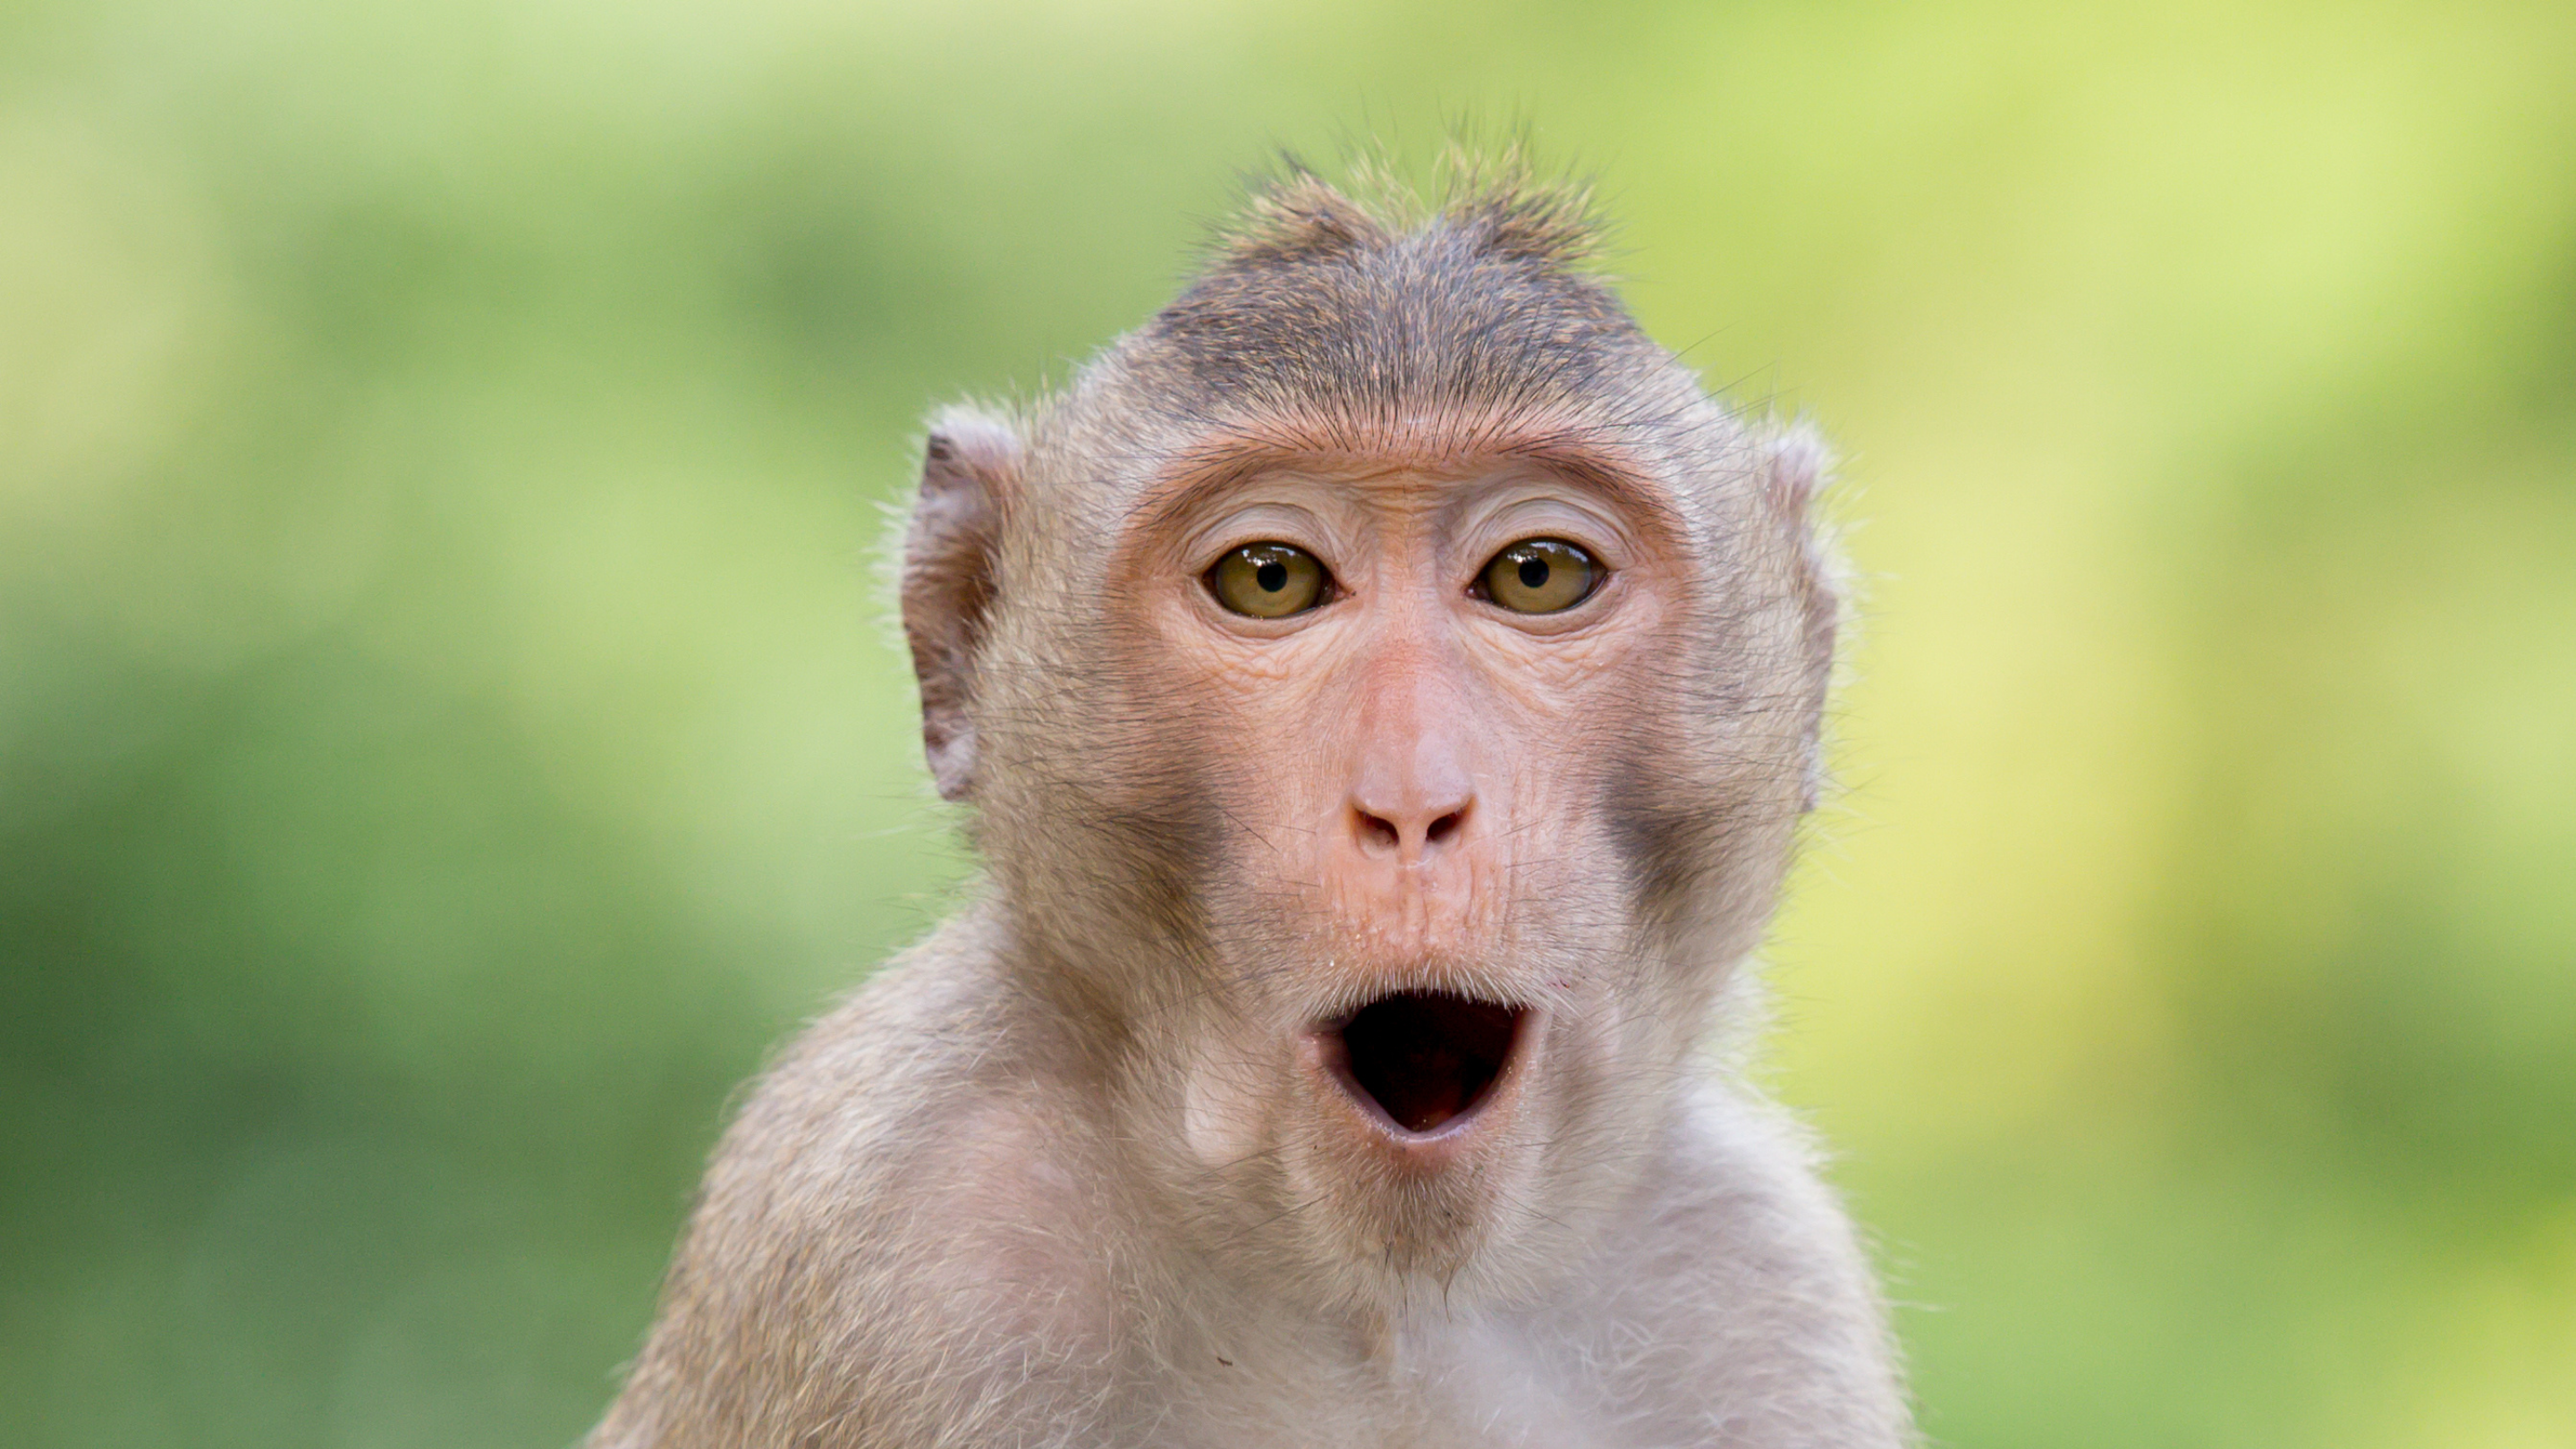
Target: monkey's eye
1541, 576
1268, 580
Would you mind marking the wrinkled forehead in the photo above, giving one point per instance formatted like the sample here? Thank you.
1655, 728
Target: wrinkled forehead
1422, 471
1654, 447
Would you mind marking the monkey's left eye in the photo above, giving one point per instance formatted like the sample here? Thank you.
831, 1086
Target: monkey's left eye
1541, 576
1268, 580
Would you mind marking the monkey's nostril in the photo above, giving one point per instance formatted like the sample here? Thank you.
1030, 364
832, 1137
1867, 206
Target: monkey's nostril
1444, 827
1378, 834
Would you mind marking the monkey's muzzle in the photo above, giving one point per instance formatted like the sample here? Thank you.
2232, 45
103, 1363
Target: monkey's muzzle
1422, 1060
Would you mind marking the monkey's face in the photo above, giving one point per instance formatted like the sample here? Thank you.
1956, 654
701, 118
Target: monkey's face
1388, 683
1436, 730
1400, 689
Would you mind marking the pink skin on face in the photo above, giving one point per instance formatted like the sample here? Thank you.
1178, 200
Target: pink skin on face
1403, 736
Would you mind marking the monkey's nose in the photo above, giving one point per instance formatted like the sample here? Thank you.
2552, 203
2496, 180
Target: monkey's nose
1413, 776
1409, 830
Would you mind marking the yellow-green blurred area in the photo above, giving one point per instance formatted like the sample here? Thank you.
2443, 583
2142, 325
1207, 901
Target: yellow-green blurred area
448, 725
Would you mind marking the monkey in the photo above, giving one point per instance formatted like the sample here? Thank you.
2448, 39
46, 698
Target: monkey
1383, 691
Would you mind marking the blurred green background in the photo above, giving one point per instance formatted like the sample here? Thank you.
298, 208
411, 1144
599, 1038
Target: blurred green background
448, 727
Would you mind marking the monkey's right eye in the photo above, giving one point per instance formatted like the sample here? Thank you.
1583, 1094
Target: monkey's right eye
1268, 580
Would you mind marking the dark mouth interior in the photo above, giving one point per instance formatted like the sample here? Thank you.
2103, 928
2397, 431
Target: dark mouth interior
1424, 1057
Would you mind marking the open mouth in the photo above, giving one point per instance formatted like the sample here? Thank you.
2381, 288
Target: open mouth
1423, 1058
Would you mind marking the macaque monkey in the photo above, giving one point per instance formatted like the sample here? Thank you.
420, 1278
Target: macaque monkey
1383, 690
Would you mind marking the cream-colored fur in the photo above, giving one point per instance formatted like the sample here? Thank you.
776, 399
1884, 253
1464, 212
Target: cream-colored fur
908, 1240
1058, 1175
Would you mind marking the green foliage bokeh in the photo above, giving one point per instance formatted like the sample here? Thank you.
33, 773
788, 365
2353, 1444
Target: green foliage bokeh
448, 728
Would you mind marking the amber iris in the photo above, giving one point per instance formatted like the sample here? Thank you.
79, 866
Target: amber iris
1541, 576
1268, 580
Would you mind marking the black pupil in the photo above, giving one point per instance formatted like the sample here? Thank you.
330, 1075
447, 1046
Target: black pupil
1533, 572
1272, 576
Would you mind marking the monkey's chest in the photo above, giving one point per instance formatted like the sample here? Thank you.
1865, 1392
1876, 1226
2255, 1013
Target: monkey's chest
1456, 1385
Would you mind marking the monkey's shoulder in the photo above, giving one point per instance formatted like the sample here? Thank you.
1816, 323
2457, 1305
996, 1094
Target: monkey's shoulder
920, 1111
1737, 1287
895, 1229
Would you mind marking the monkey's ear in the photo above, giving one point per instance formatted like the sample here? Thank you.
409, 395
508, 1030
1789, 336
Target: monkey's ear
969, 469
1798, 465
1797, 468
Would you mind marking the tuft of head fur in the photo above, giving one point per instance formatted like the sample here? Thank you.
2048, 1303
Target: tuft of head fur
1515, 210
1368, 301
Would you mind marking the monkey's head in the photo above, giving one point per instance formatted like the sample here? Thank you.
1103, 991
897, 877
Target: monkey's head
1385, 686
